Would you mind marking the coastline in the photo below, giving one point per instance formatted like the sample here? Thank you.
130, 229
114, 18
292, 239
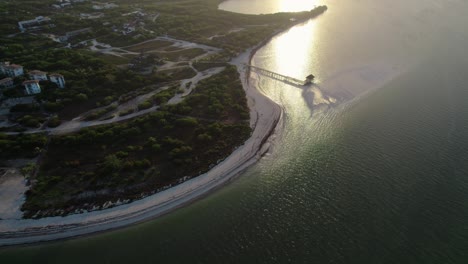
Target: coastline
265, 117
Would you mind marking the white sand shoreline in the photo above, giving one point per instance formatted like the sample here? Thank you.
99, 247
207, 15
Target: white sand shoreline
265, 116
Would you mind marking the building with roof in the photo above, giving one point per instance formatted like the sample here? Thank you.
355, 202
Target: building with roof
91, 15
100, 6
57, 79
71, 34
38, 75
3, 64
32, 87
24, 25
6, 83
12, 70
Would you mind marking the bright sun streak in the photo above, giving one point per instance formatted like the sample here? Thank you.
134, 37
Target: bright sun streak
295, 5
290, 51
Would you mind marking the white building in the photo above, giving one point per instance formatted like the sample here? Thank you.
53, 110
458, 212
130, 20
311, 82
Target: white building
91, 15
6, 82
57, 79
100, 6
70, 34
23, 25
3, 64
32, 87
127, 30
38, 75
11, 70
59, 6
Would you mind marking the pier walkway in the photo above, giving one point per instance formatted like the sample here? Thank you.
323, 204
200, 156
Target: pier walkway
277, 76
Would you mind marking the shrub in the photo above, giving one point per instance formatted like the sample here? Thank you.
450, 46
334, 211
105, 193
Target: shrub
24, 108
81, 97
144, 105
54, 122
30, 121
53, 106
187, 122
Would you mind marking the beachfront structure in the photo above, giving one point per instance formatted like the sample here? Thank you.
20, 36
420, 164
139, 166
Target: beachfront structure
6, 83
24, 25
11, 70
38, 75
57, 79
32, 87
309, 79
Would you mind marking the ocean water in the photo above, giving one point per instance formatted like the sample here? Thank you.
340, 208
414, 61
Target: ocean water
371, 165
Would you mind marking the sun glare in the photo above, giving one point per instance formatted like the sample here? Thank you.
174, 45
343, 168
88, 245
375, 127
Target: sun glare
291, 50
295, 5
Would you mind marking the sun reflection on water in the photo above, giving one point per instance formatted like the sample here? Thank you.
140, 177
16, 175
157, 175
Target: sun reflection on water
295, 5
268, 6
291, 51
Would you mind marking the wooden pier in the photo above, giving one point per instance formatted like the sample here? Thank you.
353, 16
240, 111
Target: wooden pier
280, 77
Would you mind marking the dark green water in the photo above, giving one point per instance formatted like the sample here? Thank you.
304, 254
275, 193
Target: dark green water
377, 179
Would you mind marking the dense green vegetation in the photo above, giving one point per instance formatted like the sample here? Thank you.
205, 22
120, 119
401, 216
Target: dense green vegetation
201, 66
128, 159
143, 155
21, 146
221, 96
100, 113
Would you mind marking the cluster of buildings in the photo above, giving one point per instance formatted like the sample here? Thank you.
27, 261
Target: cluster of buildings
131, 26
32, 85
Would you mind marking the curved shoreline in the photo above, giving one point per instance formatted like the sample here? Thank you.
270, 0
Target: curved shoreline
265, 120
265, 117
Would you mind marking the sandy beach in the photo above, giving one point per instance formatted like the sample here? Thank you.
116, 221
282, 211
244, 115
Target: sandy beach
265, 117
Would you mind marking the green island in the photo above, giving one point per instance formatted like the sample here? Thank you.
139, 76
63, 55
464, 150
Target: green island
115, 101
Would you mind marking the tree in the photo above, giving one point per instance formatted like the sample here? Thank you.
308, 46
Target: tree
144, 105
204, 137
112, 163
187, 122
54, 122
81, 97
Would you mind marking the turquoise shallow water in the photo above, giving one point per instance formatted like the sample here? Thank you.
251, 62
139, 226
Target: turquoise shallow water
381, 178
